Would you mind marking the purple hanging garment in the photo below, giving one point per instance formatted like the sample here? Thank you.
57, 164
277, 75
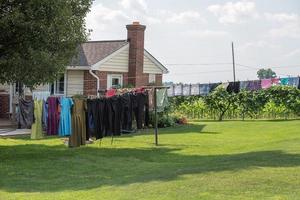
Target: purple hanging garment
53, 116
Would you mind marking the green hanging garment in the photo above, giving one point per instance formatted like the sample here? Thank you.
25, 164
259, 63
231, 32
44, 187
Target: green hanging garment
36, 128
161, 99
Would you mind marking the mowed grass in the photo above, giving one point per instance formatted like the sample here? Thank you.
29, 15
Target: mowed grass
203, 160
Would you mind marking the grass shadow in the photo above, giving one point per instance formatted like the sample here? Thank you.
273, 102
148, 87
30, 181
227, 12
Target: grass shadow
42, 168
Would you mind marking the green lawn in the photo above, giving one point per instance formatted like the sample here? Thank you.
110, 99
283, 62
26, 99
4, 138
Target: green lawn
204, 160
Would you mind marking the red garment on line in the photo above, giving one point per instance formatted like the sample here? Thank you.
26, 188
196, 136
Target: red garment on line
110, 92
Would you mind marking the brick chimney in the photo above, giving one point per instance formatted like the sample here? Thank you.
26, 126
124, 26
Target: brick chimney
135, 36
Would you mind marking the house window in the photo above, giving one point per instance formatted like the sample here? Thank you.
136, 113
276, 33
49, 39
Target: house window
58, 87
152, 78
114, 81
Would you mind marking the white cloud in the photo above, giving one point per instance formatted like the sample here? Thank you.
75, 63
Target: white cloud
281, 17
295, 53
290, 25
231, 13
137, 5
291, 30
205, 33
186, 17
257, 44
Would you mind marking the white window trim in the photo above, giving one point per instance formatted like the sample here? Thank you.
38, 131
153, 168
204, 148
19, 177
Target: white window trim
110, 77
153, 77
55, 84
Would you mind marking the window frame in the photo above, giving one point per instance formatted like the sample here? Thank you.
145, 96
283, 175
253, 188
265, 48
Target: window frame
55, 86
152, 79
110, 77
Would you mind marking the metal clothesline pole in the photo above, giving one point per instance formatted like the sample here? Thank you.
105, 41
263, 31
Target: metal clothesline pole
155, 115
155, 109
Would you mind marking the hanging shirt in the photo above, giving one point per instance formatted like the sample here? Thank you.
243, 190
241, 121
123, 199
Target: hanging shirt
171, 91
284, 81
161, 99
275, 81
204, 89
65, 117
244, 85
186, 90
294, 81
254, 85
178, 90
266, 83
195, 89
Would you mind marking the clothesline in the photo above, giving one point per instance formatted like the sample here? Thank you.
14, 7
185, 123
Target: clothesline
83, 118
205, 89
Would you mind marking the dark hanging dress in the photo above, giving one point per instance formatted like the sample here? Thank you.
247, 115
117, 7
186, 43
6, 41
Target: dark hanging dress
26, 113
78, 136
53, 116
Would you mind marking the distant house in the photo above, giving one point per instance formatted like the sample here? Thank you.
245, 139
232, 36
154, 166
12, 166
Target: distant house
100, 65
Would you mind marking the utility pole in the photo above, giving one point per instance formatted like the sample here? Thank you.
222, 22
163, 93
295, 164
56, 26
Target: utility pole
233, 61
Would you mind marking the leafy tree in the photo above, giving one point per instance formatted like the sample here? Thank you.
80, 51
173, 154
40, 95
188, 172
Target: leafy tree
287, 96
39, 37
220, 101
266, 73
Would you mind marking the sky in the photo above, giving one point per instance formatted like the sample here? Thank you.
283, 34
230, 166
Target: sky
192, 38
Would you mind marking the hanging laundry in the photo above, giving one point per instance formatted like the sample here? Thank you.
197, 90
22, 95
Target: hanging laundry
294, 81
36, 128
41, 95
177, 89
45, 115
275, 81
233, 87
254, 85
78, 136
127, 116
284, 81
213, 86
195, 89
244, 85
111, 92
116, 111
171, 91
204, 89
53, 116
224, 85
25, 114
141, 109
161, 99
65, 117
266, 83
151, 98
100, 115
186, 90
90, 118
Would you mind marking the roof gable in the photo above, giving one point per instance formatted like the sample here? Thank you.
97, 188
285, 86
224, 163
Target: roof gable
90, 53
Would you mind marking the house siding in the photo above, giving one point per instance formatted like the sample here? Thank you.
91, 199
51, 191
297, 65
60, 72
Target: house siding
75, 82
118, 63
150, 67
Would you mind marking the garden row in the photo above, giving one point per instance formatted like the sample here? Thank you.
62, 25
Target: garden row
277, 102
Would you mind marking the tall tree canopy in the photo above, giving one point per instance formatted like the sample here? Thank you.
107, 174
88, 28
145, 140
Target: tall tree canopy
38, 38
266, 73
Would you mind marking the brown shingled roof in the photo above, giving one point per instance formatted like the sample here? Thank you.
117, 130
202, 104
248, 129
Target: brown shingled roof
94, 51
